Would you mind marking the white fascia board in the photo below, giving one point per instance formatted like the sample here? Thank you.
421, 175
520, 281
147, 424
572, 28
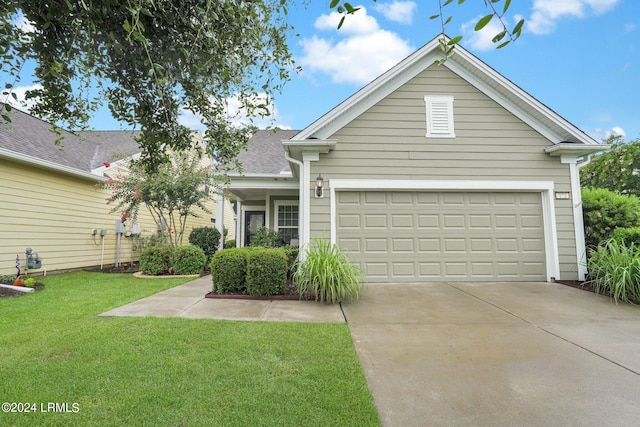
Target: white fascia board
45, 164
575, 150
401, 184
519, 93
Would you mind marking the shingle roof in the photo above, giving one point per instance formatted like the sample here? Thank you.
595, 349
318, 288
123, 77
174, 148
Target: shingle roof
264, 153
31, 136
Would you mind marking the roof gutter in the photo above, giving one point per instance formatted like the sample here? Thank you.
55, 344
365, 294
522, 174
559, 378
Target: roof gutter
45, 164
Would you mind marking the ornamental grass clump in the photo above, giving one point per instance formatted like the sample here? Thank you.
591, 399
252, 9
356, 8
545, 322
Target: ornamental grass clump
614, 269
327, 275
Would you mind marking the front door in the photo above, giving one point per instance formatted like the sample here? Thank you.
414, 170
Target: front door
253, 220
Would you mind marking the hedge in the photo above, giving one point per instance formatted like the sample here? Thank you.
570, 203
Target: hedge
228, 270
604, 211
207, 239
266, 272
188, 259
156, 260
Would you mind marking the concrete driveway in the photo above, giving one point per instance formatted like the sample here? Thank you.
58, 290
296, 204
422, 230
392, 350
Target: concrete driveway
530, 354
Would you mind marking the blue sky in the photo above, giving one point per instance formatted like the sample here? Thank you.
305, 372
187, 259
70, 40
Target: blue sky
579, 57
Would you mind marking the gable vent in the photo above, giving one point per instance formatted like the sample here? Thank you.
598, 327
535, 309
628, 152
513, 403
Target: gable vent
439, 116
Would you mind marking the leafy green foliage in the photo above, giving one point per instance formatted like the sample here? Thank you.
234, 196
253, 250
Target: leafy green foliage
327, 275
266, 238
188, 259
174, 192
150, 59
156, 260
266, 272
616, 170
7, 279
229, 270
614, 269
604, 211
291, 253
207, 239
228, 244
156, 239
627, 235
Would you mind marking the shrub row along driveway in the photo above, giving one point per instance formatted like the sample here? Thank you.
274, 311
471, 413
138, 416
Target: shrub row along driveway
497, 354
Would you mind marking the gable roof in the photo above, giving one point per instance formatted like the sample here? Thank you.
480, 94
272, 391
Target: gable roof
467, 66
264, 154
31, 140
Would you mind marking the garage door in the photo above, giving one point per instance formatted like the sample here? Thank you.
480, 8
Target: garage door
399, 236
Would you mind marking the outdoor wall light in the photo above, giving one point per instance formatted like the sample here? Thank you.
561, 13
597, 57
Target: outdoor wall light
319, 187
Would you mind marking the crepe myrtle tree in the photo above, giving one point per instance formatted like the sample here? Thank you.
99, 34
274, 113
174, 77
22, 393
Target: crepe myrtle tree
177, 190
150, 60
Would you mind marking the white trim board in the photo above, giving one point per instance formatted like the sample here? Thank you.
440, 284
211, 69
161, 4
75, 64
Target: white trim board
543, 187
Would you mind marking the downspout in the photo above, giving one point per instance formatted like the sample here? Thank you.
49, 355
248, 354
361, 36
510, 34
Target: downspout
301, 199
576, 197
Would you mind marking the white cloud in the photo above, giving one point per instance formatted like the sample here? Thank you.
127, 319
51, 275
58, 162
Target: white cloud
237, 115
398, 11
600, 134
545, 13
357, 23
481, 40
366, 52
20, 92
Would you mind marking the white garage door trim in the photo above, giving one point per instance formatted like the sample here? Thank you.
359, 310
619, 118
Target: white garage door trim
544, 187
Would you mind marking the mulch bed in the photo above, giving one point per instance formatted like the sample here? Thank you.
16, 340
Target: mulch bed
11, 293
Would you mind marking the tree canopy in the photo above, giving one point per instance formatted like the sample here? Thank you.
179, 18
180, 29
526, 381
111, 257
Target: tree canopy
616, 170
150, 60
153, 59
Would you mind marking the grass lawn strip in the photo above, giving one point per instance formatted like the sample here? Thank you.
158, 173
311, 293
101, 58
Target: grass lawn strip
170, 371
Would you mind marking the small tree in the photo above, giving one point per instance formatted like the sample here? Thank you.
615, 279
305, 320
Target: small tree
171, 194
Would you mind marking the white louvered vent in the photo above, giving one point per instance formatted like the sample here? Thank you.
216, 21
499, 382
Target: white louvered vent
439, 116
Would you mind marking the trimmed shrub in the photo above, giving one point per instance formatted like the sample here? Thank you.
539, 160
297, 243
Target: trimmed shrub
156, 260
604, 211
327, 274
207, 239
266, 272
266, 238
228, 244
229, 269
627, 235
614, 270
188, 259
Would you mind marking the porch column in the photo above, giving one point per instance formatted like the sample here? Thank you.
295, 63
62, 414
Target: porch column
220, 218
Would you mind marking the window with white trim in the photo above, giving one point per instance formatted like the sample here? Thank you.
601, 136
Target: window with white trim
287, 220
439, 116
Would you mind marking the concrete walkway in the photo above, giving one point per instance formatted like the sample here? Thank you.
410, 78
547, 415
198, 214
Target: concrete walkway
491, 354
188, 301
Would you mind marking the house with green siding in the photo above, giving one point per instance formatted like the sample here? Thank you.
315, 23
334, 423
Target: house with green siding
431, 172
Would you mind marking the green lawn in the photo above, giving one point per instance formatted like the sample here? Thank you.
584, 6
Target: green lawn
169, 371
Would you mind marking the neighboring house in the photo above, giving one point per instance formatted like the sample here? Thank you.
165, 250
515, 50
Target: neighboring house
429, 173
51, 200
